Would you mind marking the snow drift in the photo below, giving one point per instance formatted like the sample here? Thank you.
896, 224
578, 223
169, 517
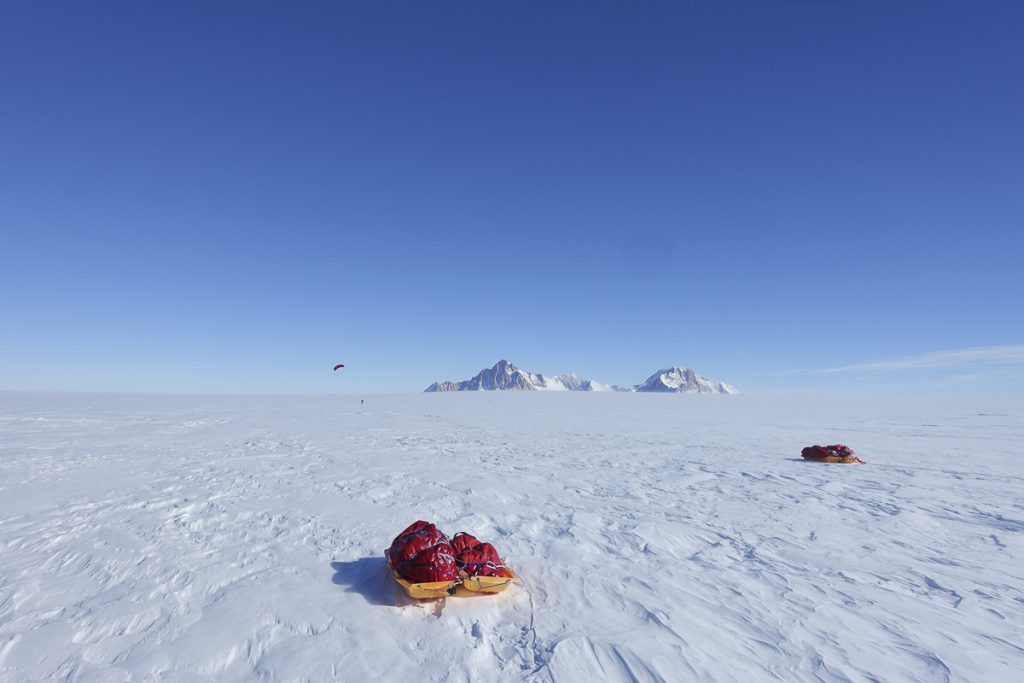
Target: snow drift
240, 539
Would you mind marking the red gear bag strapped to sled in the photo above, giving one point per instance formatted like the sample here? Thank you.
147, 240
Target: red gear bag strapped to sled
834, 453
433, 564
480, 560
414, 540
463, 541
427, 565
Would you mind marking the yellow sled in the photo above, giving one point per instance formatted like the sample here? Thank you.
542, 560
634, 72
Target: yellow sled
835, 458
463, 586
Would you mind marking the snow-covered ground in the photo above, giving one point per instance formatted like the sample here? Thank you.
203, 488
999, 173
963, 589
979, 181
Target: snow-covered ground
659, 537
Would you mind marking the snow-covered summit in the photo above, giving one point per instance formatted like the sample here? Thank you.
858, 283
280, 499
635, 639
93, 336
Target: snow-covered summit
505, 376
684, 381
573, 382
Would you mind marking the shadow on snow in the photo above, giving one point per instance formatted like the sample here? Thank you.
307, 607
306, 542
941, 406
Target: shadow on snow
368, 576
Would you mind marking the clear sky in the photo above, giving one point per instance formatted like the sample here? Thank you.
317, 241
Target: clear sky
787, 195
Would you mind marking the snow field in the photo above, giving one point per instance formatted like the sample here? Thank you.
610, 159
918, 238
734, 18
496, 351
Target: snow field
659, 538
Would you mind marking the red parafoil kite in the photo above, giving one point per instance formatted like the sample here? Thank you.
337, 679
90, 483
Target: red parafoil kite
338, 366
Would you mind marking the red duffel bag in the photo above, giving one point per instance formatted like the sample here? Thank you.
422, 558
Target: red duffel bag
834, 451
414, 540
463, 541
432, 564
480, 560
413, 528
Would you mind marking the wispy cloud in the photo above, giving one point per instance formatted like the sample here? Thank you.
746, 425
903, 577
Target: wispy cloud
977, 357
942, 360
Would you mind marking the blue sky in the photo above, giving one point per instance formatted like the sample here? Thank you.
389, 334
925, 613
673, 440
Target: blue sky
232, 197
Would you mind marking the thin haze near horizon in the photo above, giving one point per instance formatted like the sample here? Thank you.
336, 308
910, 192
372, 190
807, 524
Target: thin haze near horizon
234, 197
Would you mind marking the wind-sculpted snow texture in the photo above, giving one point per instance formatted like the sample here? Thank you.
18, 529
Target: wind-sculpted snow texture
659, 538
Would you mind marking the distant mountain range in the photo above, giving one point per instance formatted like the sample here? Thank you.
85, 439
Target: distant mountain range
683, 381
505, 376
